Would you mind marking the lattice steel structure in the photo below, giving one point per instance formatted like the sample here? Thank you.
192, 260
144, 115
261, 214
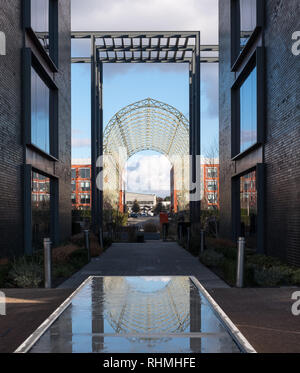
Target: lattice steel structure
145, 125
148, 124
143, 47
130, 311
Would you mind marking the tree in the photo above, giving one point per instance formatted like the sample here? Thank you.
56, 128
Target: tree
136, 207
158, 208
212, 160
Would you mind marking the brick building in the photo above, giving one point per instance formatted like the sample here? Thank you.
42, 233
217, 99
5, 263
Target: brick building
259, 125
35, 124
210, 184
81, 184
210, 174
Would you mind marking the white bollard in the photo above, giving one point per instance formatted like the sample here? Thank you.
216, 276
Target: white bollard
240, 262
47, 262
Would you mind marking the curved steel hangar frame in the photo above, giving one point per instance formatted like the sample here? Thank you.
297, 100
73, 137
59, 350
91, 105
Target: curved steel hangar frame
143, 47
145, 125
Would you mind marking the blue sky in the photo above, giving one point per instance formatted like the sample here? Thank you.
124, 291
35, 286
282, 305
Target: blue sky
124, 84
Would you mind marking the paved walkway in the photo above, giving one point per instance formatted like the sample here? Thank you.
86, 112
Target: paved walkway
264, 316
152, 258
26, 309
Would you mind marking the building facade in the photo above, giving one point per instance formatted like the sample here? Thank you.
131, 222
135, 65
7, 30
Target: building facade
210, 173
81, 184
259, 125
146, 201
35, 128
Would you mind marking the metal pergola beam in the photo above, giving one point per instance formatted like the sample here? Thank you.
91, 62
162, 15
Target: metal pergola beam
88, 60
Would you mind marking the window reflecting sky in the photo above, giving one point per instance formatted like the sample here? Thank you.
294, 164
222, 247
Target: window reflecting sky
248, 111
40, 97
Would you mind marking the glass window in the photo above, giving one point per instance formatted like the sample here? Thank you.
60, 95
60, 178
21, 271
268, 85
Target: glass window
84, 198
40, 120
73, 198
247, 9
41, 213
212, 185
85, 186
248, 111
73, 185
40, 21
73, 173
212, 172
84, 173
248, 208
212, 198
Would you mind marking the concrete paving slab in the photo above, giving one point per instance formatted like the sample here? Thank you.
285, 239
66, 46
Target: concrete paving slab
264, 316
26, 309
152, 258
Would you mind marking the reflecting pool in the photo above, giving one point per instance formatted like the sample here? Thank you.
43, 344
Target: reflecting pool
137, 314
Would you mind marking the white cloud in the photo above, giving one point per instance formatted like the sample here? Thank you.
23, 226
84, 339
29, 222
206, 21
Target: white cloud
145, 15
148, 174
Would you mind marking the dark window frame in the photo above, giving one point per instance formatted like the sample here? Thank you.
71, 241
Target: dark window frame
256, 60
260, 169
53, 57
54, 207
31, 61
85, 169
236, 53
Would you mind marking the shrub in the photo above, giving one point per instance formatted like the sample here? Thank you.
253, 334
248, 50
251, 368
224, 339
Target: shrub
62, 270
229, 252
273, 276
229, 271
78, 239
4, 271
211, 258
61, 253
78, 258
263, 261
296, 277
25, 273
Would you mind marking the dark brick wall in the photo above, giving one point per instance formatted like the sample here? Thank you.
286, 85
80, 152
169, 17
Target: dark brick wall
11, 149
281, 151
282, 148
12, 153
226, 80
63, 80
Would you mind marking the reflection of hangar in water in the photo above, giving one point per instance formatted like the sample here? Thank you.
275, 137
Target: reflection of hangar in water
130, 309
134, 314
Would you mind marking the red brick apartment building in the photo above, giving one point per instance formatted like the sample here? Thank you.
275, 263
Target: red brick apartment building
81, 185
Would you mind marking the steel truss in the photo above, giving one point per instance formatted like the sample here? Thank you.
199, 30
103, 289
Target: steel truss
146, 125
143, 47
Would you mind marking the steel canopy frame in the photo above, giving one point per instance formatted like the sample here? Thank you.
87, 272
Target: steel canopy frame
142, 47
